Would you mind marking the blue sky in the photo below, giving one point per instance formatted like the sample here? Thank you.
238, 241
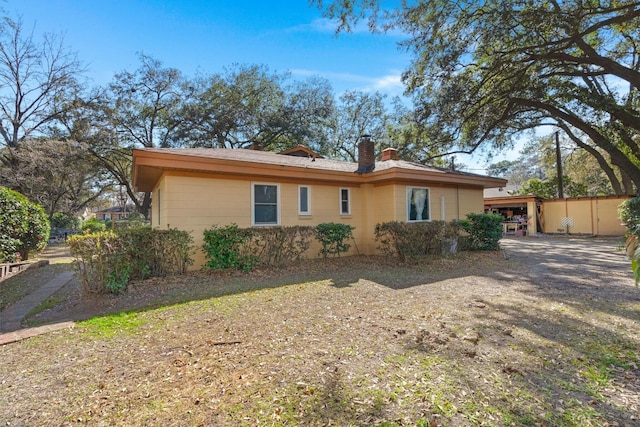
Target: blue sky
199, 36
206, 36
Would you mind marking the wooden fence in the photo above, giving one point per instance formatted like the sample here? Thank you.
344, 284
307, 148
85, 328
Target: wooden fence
7, 270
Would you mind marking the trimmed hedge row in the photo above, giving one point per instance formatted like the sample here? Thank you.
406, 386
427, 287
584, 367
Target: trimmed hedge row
244, 248
409, 241
107, 261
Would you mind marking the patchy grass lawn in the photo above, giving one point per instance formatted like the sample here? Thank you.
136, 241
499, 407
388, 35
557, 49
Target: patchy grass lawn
472, 339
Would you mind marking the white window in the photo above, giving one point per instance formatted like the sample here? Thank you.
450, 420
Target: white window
418, 208
345, 201
265, 204
304, 200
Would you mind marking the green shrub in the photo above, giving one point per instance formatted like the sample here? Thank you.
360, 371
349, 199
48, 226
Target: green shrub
411, 240
278, 245
222, 248
157, 253
333, 238
243, 249
25, 226
8, 248
485, 231
92, 226
107, 261
629, 212
65, 221
136, 219
101, 262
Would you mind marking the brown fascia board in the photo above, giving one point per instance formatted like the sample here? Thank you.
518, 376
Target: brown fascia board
510, 199
399, 174
144, 179
148, 167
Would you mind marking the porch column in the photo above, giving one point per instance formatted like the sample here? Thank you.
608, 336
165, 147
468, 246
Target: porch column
532, 214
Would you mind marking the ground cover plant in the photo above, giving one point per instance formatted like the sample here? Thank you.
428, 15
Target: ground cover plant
545, 332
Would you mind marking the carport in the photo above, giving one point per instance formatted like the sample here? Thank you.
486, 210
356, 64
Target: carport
523, 213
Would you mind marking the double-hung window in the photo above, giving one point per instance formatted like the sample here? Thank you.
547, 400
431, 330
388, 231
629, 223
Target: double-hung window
304, 200
345, 201
265, 201
418, 208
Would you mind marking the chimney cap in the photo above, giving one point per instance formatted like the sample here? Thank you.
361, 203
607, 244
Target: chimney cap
366, 136
390, 154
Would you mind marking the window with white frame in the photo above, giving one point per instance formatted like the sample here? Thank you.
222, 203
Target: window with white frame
265, 201
418, 208
345, 201
304, 200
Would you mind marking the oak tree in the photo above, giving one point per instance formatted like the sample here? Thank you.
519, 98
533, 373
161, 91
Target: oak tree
485, 72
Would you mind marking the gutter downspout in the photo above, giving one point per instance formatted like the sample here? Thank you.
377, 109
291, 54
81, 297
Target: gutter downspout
566, 212
458, 201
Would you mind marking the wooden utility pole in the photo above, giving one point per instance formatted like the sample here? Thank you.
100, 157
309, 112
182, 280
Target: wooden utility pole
559, 166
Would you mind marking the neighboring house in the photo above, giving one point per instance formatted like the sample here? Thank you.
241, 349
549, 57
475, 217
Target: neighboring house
115, 212
194, 189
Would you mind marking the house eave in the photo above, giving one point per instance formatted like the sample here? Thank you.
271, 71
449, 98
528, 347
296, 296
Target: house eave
149, 166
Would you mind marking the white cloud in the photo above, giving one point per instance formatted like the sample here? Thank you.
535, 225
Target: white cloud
326, 25
319, 25
389, 84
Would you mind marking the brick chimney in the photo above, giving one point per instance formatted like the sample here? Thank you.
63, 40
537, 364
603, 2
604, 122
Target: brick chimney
389, 154
366, 155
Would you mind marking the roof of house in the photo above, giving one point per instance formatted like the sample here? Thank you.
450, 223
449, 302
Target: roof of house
509, 190
150, 163
301, 151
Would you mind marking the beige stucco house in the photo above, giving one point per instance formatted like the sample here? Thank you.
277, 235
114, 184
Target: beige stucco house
194, 189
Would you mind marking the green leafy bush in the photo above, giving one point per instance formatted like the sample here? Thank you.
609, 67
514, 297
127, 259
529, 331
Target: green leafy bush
411, 240
101, 262
157, 253
107, 261
8, 248
93, 225
485, 231
25, 226
279, 245
222, 248
333, 238
243, 249
629, 212
65, 221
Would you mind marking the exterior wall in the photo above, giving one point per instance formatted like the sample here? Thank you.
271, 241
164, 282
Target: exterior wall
590, 215
197, 202
471, 201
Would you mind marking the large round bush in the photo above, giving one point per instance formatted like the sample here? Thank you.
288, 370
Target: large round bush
24, 226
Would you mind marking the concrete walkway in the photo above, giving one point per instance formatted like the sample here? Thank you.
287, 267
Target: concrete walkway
11, 317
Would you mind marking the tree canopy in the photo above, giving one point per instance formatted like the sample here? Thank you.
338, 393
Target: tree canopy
35, 76
484, 72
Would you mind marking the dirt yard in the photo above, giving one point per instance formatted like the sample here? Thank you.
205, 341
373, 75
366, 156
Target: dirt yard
545, 333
